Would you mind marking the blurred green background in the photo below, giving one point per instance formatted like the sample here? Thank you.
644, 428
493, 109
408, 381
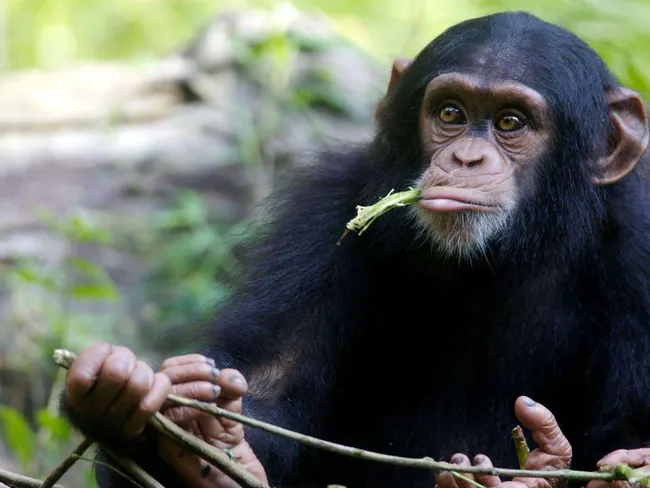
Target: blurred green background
187, 245
47, 33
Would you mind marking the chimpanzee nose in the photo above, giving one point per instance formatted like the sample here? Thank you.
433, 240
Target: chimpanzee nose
469, 154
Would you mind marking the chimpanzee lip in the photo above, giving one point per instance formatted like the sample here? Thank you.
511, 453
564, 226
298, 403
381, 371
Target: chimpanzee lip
452, 202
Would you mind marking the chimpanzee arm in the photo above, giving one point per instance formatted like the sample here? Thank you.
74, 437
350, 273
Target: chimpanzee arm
286, 325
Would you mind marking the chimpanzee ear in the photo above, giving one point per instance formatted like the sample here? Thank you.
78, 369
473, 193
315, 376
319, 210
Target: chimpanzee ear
629, 140
399, 67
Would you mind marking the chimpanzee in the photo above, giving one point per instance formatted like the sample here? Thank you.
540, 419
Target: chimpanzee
524, 269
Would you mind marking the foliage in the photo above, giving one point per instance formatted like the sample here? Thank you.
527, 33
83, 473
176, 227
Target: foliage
190, 270
49, 309
46, 33
24, 442
616, 29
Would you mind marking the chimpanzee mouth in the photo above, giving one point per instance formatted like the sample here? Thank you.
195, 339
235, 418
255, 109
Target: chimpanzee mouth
446, 203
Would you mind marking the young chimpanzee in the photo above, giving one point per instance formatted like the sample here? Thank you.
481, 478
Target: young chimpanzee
524, 269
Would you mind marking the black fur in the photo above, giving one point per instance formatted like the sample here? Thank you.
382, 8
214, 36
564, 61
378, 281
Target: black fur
389, 347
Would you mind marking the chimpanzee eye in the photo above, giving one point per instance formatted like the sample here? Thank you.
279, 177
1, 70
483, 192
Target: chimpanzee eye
510, 123
450, 114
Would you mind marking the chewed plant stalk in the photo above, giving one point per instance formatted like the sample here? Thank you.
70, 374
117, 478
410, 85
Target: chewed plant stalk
368, 214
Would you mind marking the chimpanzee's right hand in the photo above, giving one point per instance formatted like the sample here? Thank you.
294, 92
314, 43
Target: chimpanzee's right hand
112, 394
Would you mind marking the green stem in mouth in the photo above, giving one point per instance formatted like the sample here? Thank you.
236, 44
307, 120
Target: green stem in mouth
367, 215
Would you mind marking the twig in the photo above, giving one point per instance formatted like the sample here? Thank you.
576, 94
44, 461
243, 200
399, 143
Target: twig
140, 476
633, 475
425, 462
230, 467
521, 446
19, 481
111, 467
368, 214
459, 476
620, 472
204, 450
67, 463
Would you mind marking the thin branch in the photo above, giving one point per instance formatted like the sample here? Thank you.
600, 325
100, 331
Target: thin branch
19, 481
633, 475
368, 214
111, 467
425, 462
459, 476
624, 472
521, 446
206, 451
140, 476
220, 459
67, 463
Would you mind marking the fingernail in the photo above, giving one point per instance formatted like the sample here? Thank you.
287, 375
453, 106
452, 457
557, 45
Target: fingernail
210, 361
215, 374
238, 380
456, 459
216, 390
529, 401
479, 459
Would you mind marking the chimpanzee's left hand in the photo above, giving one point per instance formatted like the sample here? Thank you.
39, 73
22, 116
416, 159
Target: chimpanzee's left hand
553, 452
193, 376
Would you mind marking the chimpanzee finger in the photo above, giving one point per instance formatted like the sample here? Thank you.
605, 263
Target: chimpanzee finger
188, 372
159, 388
192, 469
233, 384
233, 406
462, 460
635, 458
196, 390
84, 371
113, 377
183, 415
608, 484
186, 359
134, 391
445, 479
530, 483
487, 480
554, 450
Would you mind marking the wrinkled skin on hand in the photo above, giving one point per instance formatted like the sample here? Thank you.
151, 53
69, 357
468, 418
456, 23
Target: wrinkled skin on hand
635, 458
108, 386
553, 452
194, 376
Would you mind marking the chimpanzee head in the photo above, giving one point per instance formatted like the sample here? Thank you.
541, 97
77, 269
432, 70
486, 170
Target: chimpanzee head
511, 125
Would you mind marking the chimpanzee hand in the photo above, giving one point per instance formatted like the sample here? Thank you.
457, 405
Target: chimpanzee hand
111, 395
554, 452
194, 376
635, 458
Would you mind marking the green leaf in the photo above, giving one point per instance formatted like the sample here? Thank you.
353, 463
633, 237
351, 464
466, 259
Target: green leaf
87, 268
32, 276
80, 228
57, 426
93, 291
19, 436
